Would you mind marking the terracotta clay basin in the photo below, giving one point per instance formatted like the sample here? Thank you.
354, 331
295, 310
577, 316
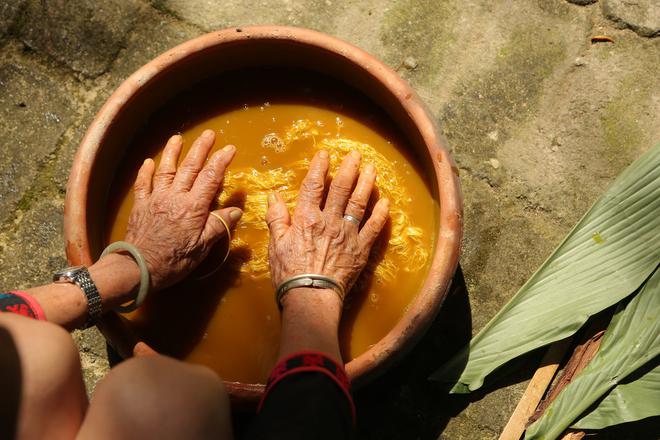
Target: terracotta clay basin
105, 144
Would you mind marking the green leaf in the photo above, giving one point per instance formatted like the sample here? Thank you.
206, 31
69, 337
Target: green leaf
631, 341
604, 259
627, 402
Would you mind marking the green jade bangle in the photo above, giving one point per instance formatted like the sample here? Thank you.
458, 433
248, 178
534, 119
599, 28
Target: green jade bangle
144, 273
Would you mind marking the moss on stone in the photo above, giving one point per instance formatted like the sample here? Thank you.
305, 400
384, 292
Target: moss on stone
25, 202
621, 131
422, 30
557, 9
505, 94
41, 188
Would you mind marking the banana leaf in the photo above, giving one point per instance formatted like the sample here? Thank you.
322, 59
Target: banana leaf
631, 341
627, 402
604, 259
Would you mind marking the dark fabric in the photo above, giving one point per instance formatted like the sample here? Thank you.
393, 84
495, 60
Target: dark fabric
306, 405
307, 397
308, 361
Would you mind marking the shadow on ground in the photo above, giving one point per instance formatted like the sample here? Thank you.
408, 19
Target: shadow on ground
403, 404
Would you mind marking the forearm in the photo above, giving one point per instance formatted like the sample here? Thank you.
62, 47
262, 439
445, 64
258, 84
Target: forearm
310, 321
116, 276
307, 396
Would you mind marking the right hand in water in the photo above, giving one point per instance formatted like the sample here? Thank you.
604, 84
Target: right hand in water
170, 222
322, 241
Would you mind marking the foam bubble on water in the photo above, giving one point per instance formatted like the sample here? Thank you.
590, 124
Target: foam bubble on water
272, 140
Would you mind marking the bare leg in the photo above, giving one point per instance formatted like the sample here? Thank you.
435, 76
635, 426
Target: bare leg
161, 398
40, 363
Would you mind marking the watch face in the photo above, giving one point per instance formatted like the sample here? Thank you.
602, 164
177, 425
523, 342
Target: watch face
67, 272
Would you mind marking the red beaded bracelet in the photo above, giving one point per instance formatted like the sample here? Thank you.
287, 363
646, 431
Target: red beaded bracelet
22, 304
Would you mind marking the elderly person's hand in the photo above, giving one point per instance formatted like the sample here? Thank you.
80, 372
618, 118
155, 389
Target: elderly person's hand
322, 241
170, 222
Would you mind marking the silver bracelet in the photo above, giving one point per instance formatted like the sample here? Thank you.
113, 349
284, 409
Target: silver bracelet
144, 273
313, 280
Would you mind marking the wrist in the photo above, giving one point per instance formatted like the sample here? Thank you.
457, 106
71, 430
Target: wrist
310, 321
312, 295
311, 302
117, 278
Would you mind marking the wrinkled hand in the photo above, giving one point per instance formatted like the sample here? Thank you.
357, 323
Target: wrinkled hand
322, 241
170, 222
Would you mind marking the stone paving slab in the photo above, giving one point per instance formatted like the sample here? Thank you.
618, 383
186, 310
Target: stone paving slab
642, 16
84, 35
34, 249
154, 33
33, 115
539, 119
9, 11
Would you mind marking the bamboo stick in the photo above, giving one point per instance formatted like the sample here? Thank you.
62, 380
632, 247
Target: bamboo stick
535, 390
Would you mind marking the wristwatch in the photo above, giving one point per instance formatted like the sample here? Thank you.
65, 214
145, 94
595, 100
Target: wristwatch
79, 275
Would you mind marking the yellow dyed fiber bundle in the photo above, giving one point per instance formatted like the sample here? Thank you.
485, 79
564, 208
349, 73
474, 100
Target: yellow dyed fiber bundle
404, 240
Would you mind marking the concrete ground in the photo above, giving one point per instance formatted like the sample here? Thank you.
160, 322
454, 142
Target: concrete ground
539, 116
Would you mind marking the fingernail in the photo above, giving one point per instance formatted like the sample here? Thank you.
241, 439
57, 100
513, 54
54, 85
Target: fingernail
208, 133
323, 154
177, 139
370, 169
271, 199
355, 154
235, 215
228, 148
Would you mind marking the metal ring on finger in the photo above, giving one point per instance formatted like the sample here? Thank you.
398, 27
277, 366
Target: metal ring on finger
352, 219
224, 260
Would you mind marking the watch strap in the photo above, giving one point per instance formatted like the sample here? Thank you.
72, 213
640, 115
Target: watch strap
94, 306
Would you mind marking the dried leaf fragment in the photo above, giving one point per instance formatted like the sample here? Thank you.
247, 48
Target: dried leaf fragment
601, 39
